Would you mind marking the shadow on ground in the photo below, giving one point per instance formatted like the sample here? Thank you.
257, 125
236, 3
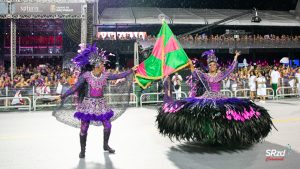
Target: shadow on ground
82, 164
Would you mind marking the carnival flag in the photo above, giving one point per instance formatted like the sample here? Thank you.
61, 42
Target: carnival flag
167, 57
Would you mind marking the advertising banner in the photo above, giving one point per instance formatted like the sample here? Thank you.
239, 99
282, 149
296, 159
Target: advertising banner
46, 9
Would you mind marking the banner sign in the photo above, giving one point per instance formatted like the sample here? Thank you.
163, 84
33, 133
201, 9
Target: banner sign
46, 9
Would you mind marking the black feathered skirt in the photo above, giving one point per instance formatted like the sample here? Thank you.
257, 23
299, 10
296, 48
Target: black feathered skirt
212, 119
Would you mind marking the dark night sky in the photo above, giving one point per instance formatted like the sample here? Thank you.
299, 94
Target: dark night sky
218, 4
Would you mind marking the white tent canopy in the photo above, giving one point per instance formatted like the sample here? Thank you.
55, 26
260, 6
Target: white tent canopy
149, 15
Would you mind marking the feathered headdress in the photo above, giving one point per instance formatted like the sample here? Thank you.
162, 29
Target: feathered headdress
210, 56
89, 54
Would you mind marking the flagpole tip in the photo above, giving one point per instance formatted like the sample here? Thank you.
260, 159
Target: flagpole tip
162, 17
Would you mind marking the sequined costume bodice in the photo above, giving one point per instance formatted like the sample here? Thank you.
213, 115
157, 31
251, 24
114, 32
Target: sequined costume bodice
213, 83
96, 85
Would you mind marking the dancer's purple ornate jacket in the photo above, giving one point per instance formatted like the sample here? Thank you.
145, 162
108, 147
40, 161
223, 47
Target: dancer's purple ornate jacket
96, 84
214, 82
94, 107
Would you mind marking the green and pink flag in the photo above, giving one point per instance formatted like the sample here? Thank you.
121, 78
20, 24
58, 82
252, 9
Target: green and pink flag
166, 58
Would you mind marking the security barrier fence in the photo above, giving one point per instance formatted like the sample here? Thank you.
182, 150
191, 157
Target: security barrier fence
33, 98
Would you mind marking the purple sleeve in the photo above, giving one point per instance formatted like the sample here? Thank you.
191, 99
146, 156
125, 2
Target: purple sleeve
229, 70
120, 75
74, 88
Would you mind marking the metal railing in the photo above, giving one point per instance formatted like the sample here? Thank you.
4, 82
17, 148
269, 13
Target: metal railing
245, 93
270, 93
7, 103
227, 92
117, 99
39, 101
155, 97
242, 93
47, 100
286, 91
151, 95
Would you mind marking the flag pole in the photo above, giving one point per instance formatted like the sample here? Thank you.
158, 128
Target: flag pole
202, 81
163, 49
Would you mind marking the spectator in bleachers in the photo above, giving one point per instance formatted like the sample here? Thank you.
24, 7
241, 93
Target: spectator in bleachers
261, 87
275, 77
2, 82
252, 85
22, 83
177, 80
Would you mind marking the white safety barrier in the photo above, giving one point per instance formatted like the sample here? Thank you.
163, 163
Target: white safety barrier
38, 99
242, 93
144, 99
8, 100
115, 99
227, 92
245, 93
286, 91
110, 98
270, 93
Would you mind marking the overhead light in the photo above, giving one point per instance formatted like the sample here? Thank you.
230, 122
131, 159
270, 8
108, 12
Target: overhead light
255, 18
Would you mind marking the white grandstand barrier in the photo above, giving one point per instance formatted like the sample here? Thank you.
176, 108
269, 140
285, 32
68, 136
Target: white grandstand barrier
114, 99
9, 103
227, 92
270, 93
110, 98
37, 104
6, 94
245, 93
242, 93
286, 91
144, 100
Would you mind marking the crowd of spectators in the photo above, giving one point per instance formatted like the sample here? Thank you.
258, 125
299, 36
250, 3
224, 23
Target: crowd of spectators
218, 41
261, 76
43, 77
256, 77
209, 38
126, 36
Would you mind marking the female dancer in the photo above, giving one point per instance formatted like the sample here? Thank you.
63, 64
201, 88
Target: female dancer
92, 107
213, 118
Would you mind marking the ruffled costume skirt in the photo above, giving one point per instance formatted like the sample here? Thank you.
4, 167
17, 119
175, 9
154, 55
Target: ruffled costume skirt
214, 119
93, 110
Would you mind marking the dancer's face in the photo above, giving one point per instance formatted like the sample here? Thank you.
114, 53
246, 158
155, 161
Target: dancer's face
99, 67
212, 66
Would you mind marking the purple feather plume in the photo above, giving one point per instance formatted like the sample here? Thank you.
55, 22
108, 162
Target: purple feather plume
82, 58
208, 53
90, 54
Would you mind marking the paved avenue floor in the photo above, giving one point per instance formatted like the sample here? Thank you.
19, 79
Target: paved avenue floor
35, 140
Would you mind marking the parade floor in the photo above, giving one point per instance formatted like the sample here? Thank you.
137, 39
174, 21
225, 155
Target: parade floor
35, 140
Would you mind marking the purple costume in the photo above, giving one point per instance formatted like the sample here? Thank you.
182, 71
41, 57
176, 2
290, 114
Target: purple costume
213, 118
93, 108
213, 82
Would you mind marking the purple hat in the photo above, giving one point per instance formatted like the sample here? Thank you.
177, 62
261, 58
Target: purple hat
210, 56
90, 55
